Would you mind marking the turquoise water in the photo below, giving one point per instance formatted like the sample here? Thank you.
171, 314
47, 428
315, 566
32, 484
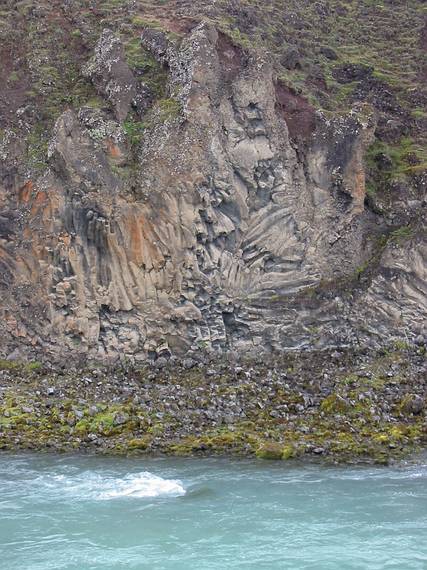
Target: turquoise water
95, 513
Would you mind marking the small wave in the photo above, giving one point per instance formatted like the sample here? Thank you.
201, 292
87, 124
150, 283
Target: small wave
93, 485
196, 492
143, 485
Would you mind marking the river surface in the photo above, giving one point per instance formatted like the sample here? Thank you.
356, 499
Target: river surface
83, 513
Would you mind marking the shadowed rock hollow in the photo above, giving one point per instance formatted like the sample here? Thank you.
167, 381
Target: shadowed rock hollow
226, 214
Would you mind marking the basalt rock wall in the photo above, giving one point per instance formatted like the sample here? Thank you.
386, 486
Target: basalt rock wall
237, 221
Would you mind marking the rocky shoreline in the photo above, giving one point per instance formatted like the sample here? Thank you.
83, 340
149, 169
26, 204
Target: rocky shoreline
341, 406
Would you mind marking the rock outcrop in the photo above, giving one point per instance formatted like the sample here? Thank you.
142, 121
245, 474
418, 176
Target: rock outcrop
114, 79
237, 221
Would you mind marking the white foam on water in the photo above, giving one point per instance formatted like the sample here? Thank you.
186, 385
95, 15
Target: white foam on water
143, 485
96, 486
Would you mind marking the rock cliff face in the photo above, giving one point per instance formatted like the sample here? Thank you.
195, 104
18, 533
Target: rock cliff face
228, 215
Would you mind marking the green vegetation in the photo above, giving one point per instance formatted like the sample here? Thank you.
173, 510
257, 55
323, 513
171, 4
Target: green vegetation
143, 63
401, 345
33, 366
59, 83
8, 364
164, 110
347, 425
16, 365
95, 102
401, 234
269, 450
289, 452
334, 404
134, 130
140, 444
14, 77
238, 439
382, 36
102, 422
140, 22
391, 161
239, 38
168, 109
37, 146
419, 113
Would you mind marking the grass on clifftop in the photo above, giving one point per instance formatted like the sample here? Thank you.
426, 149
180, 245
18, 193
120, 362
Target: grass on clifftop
48, 45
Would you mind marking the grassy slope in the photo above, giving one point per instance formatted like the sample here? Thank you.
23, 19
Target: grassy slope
46, 44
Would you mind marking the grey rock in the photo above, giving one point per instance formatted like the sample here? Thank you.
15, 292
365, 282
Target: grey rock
120, 419
157, 42
349, 72
415, 404
189, 363
161, 362
328, 52
291, 59
244, 211
420, 340
111, 74
16, 354
93, 410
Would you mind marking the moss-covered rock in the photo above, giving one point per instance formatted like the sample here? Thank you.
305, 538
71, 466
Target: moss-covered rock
121, 411
335, 404
140, 444
269, 450
289, 452
411, 404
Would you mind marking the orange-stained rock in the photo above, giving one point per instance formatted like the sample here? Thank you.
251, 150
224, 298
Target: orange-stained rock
237, 222
24, 193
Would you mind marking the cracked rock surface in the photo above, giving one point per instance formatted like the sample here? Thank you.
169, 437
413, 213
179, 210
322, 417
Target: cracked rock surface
237, 222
